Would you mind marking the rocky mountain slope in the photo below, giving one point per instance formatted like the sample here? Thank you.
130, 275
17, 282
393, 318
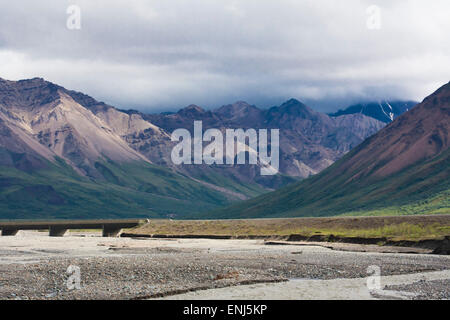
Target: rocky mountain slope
403, 169
46, 119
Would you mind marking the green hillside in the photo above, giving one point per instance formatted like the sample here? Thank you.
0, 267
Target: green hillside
125, 190
420, 189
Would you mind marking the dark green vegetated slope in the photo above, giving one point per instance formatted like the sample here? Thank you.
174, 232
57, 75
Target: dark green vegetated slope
127, 190
421, 189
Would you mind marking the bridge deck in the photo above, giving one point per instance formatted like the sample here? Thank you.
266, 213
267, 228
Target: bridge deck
59, 227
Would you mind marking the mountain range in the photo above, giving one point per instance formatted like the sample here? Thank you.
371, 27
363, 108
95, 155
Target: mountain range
65, 154
402, 169
309, 141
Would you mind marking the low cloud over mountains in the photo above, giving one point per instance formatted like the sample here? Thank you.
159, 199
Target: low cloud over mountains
158, 55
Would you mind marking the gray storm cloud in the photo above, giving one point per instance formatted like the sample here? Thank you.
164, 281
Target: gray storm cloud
169, 53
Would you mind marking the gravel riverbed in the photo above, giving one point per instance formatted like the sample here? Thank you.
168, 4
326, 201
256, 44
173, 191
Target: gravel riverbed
35, 266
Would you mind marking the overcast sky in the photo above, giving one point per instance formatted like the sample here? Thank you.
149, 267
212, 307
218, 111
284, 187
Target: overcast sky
159, 55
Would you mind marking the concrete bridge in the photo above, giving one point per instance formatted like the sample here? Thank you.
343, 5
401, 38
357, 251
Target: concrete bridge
111, 228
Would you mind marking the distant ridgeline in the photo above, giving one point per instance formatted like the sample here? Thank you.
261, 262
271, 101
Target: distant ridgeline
385, 111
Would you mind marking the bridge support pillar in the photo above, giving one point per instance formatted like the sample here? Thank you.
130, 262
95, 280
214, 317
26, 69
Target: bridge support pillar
56, 232
9, 232
111, 231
